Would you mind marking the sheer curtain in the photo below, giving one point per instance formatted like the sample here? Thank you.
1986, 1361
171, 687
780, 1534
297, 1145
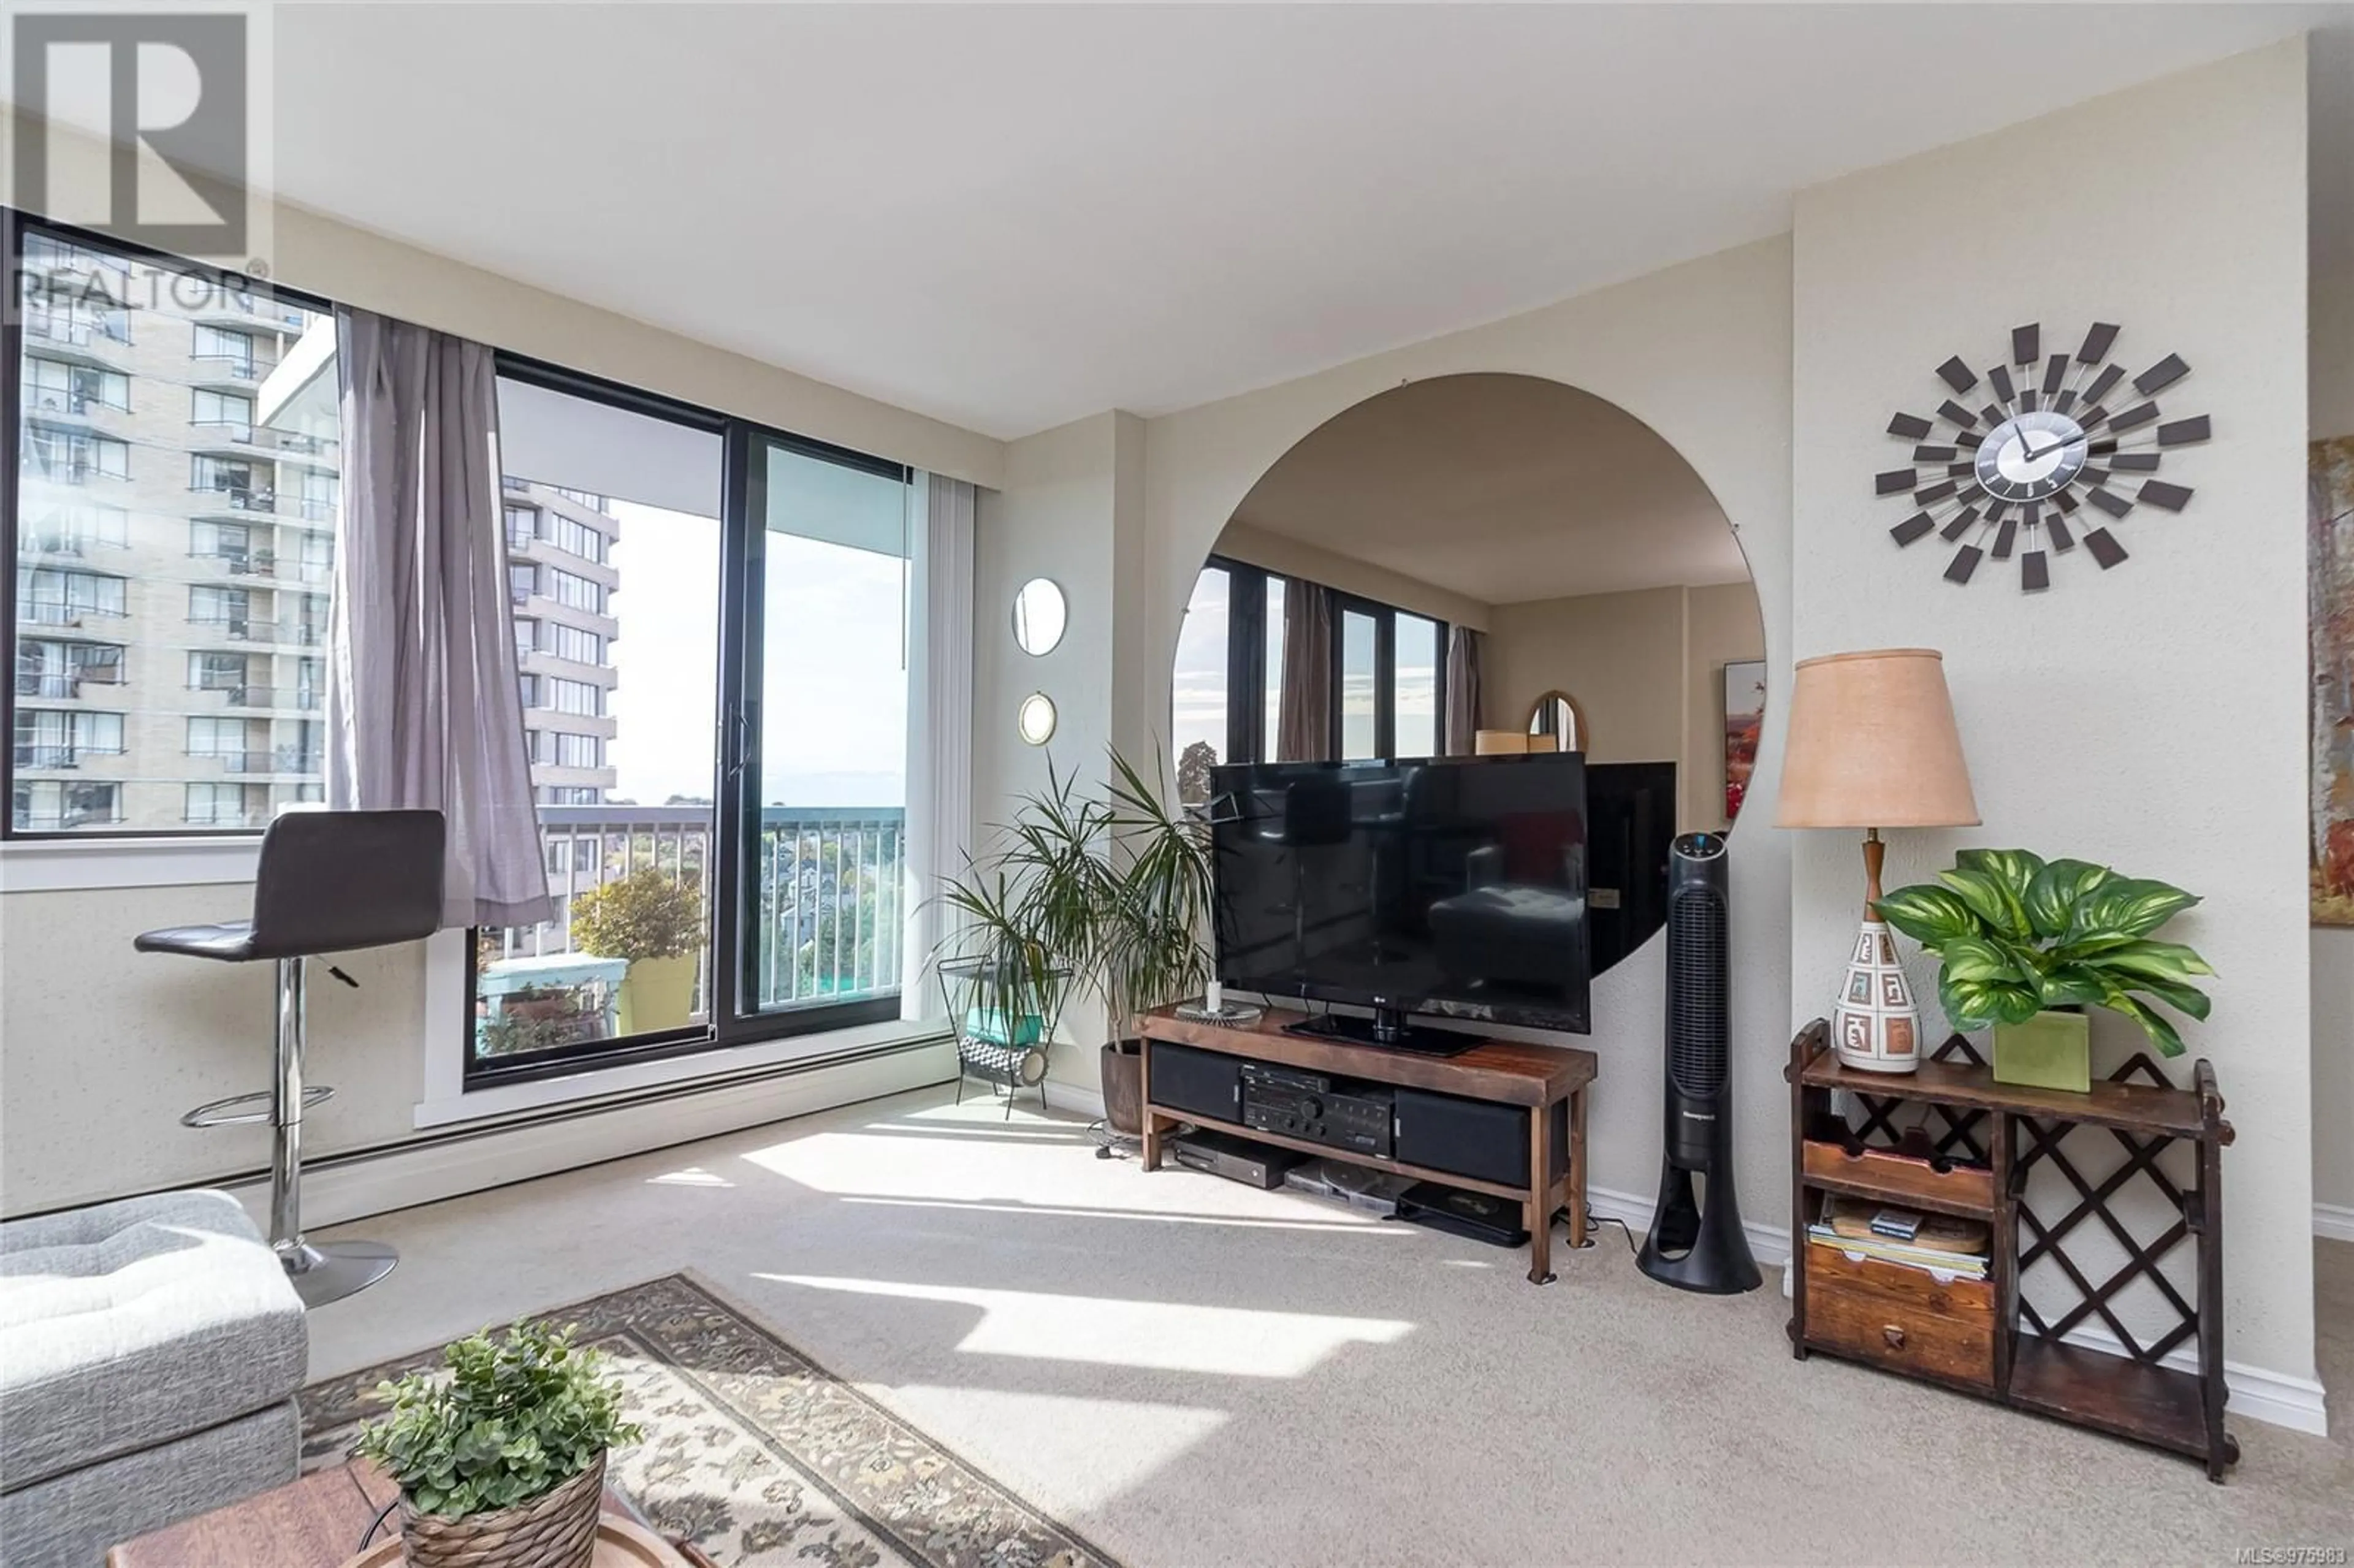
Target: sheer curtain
423, 703
939, 721
1304, 714
1462, 690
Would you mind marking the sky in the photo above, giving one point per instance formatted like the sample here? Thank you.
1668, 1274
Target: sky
834, 673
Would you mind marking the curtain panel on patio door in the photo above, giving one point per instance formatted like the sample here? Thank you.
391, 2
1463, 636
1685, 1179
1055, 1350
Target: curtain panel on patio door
940, 723
1462, 701
1305, 721
424, 707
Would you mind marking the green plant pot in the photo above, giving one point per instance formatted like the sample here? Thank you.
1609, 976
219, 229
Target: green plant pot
2049, 1051
658, 993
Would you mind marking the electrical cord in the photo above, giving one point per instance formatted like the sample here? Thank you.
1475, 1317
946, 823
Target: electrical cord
1594, 1223
377, 1523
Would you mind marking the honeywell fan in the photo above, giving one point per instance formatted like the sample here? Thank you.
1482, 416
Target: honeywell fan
1697, 1243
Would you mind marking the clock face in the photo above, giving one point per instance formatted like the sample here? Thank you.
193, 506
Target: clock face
2038, 455
2031, 456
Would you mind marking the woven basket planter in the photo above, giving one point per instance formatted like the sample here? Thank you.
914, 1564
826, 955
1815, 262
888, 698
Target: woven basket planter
554, 1529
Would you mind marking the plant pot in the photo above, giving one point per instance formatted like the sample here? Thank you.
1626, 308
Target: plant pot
1122, 1065
556, 1529
2051, 1049
657, 993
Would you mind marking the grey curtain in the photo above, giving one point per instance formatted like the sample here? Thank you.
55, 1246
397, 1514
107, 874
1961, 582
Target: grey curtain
1462, 690
423, 704
1304, 712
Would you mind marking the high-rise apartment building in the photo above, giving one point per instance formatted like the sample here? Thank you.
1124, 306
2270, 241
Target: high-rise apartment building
174, 561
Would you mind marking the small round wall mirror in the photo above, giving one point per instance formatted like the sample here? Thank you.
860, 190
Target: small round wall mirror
1557, 717
1039, 617
1036, 719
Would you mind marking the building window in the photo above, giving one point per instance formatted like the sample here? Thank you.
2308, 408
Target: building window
1199, 718
576, 591
232, 350
572, 643
232, 409
62, 739
573, 536
578, 750
576, 697
58, 454
529, 685
523, 581
53, 386
523, 526
203, 606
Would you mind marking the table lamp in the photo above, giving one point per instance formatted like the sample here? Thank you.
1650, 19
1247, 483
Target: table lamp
1872, 745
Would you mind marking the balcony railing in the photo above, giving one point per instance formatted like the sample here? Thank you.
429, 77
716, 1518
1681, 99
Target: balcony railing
270, 759
59, 612
830, 908
61, 684
60, 754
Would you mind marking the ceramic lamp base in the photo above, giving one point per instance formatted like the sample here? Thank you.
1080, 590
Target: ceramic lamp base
1874, 1023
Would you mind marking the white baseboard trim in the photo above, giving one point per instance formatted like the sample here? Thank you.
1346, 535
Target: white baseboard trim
1770, 1244
1079, 1099
2257, 1393
2333, 1221
358, 1186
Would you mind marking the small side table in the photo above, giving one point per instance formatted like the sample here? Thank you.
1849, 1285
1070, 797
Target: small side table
1013, 1055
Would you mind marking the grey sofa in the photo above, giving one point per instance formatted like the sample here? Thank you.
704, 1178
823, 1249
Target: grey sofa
150, 1353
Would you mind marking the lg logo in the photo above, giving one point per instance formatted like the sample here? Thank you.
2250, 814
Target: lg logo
169, 95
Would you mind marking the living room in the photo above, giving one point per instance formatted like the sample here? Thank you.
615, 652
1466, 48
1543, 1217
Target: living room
777, 521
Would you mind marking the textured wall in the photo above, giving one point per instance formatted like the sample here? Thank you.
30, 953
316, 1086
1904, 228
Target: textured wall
2154, 716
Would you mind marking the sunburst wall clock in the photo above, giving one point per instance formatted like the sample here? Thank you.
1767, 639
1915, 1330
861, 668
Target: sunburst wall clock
2064, 447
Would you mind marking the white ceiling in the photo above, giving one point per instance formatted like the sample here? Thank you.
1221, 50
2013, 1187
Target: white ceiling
1504, 488
1013, 216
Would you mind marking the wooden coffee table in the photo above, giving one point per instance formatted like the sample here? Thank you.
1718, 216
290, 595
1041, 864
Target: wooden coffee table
316, 1522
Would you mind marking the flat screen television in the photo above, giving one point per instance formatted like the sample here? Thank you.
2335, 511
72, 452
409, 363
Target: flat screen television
1454, 887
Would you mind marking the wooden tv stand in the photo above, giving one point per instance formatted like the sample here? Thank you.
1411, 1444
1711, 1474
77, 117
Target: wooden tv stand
1502, 1072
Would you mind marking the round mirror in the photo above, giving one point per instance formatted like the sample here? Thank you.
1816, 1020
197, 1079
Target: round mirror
1036, 719
1039, 617
1556, 723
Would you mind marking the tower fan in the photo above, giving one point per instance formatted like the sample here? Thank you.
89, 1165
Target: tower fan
1697, 1243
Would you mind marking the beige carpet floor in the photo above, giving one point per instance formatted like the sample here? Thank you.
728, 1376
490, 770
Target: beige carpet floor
1192, 1373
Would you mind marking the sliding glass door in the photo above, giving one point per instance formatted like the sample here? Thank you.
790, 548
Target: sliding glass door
820, 764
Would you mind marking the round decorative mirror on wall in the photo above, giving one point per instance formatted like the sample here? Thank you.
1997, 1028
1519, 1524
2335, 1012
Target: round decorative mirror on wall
1040, 615
1464, 554
1555, 717
1035, 719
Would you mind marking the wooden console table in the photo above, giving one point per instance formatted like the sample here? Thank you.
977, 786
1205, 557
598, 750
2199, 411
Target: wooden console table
1534, 1078
1973, 1147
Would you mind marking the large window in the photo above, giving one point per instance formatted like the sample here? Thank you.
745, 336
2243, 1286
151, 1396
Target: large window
161, 583
1388, 665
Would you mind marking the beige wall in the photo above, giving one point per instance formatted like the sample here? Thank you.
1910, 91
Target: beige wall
2071, 702
1647, 671
1291, 559
2330, 377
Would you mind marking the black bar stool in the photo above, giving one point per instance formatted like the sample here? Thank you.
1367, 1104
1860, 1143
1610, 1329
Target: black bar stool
329, 882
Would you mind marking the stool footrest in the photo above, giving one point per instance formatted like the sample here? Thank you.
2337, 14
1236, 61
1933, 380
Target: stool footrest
224, 1113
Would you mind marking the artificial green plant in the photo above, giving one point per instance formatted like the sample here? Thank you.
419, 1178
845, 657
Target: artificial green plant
2017, 934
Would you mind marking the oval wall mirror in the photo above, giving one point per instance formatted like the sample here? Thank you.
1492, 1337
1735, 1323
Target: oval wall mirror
1482, 553
1035, 719
1040, 614
1556, 719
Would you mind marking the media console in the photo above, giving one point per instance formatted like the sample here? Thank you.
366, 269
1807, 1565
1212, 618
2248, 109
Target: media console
1504, 1118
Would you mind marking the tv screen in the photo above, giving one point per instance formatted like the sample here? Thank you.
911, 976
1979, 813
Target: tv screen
1454, 887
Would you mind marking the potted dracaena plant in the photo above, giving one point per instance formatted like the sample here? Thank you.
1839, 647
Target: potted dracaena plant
655, 921
1107, 890
2026, 944
501, 1463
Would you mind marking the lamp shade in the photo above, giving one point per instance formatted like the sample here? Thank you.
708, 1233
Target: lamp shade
1871, 744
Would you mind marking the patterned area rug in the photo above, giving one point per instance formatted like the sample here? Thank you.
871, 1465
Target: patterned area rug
756, 1452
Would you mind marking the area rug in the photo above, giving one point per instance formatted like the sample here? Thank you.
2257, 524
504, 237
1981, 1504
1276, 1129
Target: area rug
755, 1452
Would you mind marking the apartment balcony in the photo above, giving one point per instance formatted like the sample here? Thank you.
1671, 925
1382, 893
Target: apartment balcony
272, 760
226, 819
62, 686
77, 338
213, 499
76, 410
66, 821
56, 612
61, 756
831, 906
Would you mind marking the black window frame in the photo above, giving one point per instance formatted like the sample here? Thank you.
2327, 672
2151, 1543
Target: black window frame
732, 1022
1246, 732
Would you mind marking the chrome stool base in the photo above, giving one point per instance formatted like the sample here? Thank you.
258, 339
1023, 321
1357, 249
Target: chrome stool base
329, 1271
